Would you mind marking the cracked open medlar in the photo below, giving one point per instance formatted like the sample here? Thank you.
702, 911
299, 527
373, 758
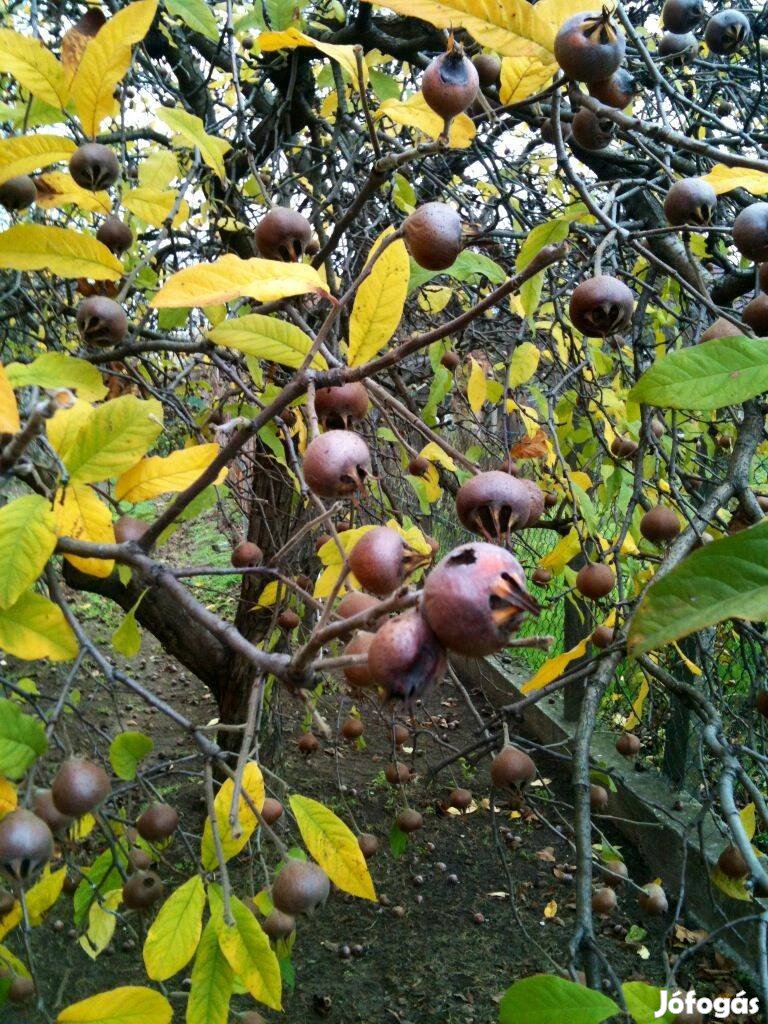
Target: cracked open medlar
589, 47
680, 16
750, 232
601, 306
282, 234
338, 407
494, 503
101, 321
727, 32
617, 91
690, 201
450, 82
336, 464
116, 235
433, 236
18, 193
591, 131
381, 560
476, 597
405, 657
94, 166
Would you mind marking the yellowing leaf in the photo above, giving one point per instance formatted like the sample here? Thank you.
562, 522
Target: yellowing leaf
748, 821
211, 982
208, 284
9, 410
562, 552
724, 179
550, 910
9, 798
524, 76
248, 952
113, 438
44, 893
191, 132
36, 628
80, 513
58, 370
154, 205
27, 540
292, 37
61, 251
34, 67
379, 302
554, 668
637, 706
161, 475
63, 427
11, 919
58, 188
333, 846
233, 841
581, 480
106, 59
477, 387
102, 921
435, 453
266, 337
131, 1004
173, 937
523, 365
511, 28
158, 170
23, 154
414, 113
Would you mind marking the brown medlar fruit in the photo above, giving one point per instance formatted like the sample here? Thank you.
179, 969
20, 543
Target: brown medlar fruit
595, 580
141, 890
512, 768
354, 603
598, 798
352, 729
682, 15
653, 900
628, 745
721, 328
18, 193
488, 67
750, 232
397, 774
419, 466
601, 306
307, 743
684, 47
731, 862
94, 166
278, 925
21, 989
690, 201
300, 888
246, 555
129, 530
727, 32
46, 809
493, 503
433, 236
755, 314
460, 799
602, 636
660, 524
450, 83
623, 447
272, 810
282, 234
336, 464
589, 47
80, 786
381, 560
26, 845
617, 91
590, 131
360, 676
409, 820
450, 360
338, 407
158, 822
101, 321
604, 901
116, 235
612, 868
541, 576
368, 844
405, 656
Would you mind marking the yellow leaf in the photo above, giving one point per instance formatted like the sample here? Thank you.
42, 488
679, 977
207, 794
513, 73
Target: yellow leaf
692, 667
154, 205
61, 251
249, 954
232, 842
414, 113
192, 133
34, 67
637, 706
44, 893
113, 438
435, 453
511, 28
554, 668
106, 59
523, 365
266, 337
292, 37
379, 302
82, 828
23, 154
269, 594
9, 410
158, 170
434, 298
524, 76
551, 909
724, 179
102, 920
162, 474
11, 919
748, 821
173, 937
81, 514
326, 581
581, 480
63, 427
9, 798
27, 540
211, 982
59, 370
333, 846
477, 387
231, 278
562, 552
57, 188
36, 628
9, 960
131, 1004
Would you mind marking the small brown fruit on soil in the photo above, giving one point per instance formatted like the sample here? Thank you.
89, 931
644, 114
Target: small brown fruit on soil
604, 901
368, 844
409, 820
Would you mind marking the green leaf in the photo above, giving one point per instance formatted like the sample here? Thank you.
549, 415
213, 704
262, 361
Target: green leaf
212, 980
197, 15
643, 1002
57, 370
113, 439
127, 639
22, 740
545, 998
100, 878
35, 627
398, 841
192, 133
725, 579
265, 337
467, 265
247, 949
125, 752
550, 233
174, 934
724, 371
27, 540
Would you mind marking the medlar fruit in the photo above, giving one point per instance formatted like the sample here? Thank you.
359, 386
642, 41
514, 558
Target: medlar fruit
681, 16
690, 201
278, 925
397, 773
433, 236
602, 636
589, 47
727, 32
352, 729
18, 193
684, 47
116, 235
590, 131
405, 657
360, 676
623, 447
94, 166
513, 769
615, 867
601, 306
272, 810
26, 845
141, 890
368, 844
354, 603
246, 555
338, 407
381, 560
595, 580
750, 232
101, 321
300, 888
336, 464
460, 798
628, 745
598, 798
617, 91
488, 67
755, 313
653, 900
494, 503
282, 234
158, 822
80, 786
46, 809
409, 820
450, 83
731, 862
129, 530
604, 901
660, 524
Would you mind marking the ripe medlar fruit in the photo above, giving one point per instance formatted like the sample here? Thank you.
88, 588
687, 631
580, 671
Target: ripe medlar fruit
336, 464
493, 503
615, 867
419, 466
512, 768
158, 822
368, 844
684, 47
360, 676
129, 530
660, 524
352, 729
46, 809
541, 576
598, 798
617, 91
405, 657
272, 810
101, 321
755, 314
381, 560
590, 131
80, 786
433, 236
628, 745
246, 555
727, 32
21, 989
475, 598
26, 845
721, 328
623, 447
94, 166
604, 901
460, 799
338, 407
601, 306
750, 232
278, 925
307, 743
653, 900
450, 83
450, 360
731, 862
488, 67
354, 603
409, 820
602, 636
282, 234
589, 47
681, 16
141, 890
690, 201
116, 235
300, 888
547, 131
18, 193
397, 774
595, 580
